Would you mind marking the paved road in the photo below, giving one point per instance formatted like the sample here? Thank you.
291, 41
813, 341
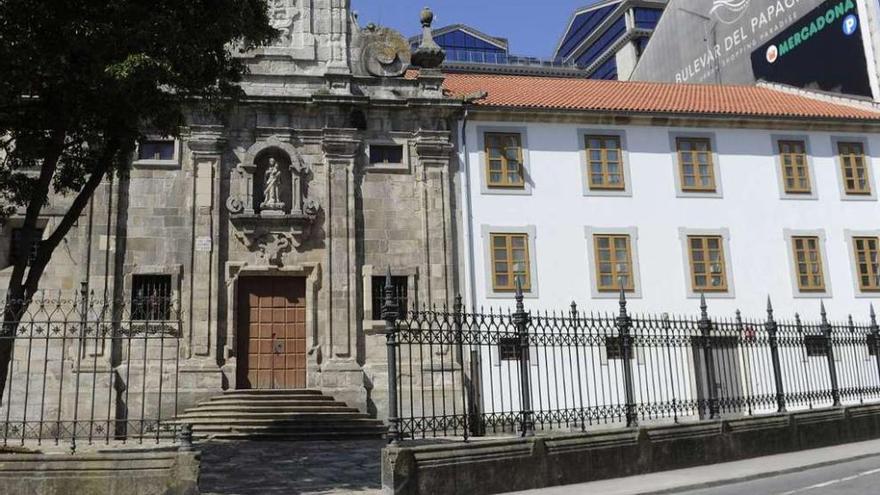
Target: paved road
291, 468
860, 477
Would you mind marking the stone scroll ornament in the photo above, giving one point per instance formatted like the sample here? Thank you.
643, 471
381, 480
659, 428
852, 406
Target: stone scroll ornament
282, 14
386, 52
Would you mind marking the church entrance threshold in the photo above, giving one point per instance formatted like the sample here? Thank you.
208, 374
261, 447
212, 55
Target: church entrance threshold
271, 330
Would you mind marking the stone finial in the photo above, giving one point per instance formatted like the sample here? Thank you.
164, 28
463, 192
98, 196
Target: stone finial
428, 55
427, 17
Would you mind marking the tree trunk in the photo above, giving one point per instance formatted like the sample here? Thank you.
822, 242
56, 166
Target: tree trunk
21, 289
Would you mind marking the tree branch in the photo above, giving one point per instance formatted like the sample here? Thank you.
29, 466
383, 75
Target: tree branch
47, 246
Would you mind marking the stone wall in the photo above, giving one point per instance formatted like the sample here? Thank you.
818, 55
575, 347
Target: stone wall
483, 466
159, 471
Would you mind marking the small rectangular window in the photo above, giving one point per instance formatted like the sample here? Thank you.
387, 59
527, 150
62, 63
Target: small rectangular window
708, 272
808, 264
510, 261
614, 348
696, 168
504, 160
867, 255
614, 266
509, 349
795, 171
605, 162
386, 154
151, 297
18, 250
816, 345
400, 285
854, 168
156, 149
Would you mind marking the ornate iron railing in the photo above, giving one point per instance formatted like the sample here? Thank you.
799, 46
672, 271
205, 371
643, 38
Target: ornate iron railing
457, 373
90, 370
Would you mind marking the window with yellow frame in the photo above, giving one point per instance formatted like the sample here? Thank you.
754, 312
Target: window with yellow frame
695, 164
867, 253
808, 263
854, 168
708, 270
504, 160
614, 266
605, 163
795, 171
510, 262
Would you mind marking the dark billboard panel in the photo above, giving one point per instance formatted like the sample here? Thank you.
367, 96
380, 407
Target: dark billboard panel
726, 42
822, 50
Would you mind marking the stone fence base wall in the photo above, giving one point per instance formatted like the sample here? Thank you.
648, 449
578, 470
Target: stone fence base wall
112, 472
501, 465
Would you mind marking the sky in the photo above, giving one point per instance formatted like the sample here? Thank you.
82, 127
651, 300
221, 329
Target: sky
532, 27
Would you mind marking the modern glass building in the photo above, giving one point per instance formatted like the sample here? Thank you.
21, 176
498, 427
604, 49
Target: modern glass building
606, 38
466, 44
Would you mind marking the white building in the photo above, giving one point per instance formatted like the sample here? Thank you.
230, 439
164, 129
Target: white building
736, 192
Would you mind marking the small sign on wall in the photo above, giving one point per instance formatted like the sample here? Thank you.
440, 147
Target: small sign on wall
203, 244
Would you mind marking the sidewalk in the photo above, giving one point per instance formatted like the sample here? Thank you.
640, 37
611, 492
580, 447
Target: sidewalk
718, 474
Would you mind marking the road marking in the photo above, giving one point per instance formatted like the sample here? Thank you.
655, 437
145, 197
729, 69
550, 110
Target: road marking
831, 482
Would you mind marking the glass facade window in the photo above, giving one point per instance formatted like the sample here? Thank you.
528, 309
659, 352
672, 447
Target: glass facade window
611, 36
646, 18
583, 25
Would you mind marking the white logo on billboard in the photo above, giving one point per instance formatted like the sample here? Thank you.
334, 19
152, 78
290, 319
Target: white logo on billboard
729, 11
772, 53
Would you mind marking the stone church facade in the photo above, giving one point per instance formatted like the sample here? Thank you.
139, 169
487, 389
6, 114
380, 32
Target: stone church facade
269, 226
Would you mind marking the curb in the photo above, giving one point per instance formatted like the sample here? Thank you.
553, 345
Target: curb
756, 476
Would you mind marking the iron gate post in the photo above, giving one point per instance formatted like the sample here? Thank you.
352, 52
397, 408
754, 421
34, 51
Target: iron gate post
624, 322
772, 336
875, 332
521, 321
390, 314
705, 326
459, 339
832, 367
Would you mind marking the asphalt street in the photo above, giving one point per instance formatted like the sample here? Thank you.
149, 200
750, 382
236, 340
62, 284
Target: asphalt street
860, 477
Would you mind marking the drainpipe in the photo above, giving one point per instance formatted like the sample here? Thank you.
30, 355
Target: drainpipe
468, 202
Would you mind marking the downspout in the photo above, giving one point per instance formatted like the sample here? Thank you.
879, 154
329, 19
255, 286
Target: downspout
468, 201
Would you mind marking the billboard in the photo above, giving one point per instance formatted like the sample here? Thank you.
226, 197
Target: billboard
818, 52
727, 42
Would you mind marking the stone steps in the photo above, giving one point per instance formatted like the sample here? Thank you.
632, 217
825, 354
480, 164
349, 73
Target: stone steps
279, 415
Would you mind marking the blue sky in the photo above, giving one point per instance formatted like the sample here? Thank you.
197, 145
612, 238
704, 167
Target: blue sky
532, 27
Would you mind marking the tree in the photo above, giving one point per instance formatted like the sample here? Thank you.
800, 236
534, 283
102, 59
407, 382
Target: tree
80, 80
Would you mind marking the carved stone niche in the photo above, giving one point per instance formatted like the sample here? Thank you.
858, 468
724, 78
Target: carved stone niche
269, 203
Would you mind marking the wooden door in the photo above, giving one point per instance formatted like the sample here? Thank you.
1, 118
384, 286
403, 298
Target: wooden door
271, 333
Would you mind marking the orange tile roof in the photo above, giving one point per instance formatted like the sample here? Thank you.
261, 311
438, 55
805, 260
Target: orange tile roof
647, 97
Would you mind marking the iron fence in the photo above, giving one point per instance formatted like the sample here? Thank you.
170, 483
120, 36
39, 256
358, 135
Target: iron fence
457, 373
91, 370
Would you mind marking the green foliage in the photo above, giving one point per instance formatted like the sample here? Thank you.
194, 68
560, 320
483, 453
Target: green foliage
81, 79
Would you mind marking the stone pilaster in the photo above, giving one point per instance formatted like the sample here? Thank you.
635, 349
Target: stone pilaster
433, 152
341, 373
200, 307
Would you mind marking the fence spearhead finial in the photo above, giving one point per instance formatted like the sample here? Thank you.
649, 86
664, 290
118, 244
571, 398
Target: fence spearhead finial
704, 309
518, 295
769, 305
822, 312
872, 314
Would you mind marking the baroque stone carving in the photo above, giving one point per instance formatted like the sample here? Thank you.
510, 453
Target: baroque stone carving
428, 55
386, 53
282, 14
271, 197
272, 213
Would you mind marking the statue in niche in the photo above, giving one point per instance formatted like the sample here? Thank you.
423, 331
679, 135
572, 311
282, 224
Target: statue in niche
271, 190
